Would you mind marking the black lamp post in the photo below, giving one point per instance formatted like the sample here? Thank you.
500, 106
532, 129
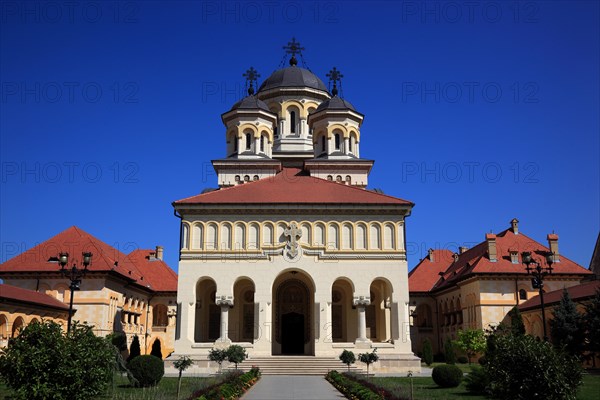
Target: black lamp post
74, 274
538, 272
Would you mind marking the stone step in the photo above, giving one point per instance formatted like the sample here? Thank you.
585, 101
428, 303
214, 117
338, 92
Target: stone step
298, 365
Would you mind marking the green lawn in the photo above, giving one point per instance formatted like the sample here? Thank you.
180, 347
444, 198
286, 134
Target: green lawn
463, 367
166, 390
425, 388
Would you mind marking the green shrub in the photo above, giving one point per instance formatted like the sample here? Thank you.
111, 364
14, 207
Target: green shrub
427, 352
447, 375
147, 369
482, 360
134, 349
43, 363
522, 367
477, 381
119, 340
156, 349
449, 354
462, 360
218, 356
347, 357
236, 354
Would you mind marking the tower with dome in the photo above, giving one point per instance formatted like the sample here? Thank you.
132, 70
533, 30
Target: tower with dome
292, 255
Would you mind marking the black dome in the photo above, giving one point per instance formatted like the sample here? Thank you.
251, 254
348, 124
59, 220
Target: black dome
335, 103
250, 103
292, 77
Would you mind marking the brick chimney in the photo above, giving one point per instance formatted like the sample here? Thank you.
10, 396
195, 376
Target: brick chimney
491, 242
159, 252
514, 224
430, 255
553, 245
462, 249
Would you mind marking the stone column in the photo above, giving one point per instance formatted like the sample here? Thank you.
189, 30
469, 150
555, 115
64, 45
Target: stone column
346, 145
256, 145
361, 303
225, 302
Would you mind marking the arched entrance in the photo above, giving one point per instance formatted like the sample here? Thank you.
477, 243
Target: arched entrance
293, 314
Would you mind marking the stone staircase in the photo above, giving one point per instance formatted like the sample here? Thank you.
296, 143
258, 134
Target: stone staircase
298, 365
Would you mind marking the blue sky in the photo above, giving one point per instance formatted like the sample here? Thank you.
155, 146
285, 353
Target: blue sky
477, 112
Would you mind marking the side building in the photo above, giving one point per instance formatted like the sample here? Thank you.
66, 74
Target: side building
477, 287
133, 293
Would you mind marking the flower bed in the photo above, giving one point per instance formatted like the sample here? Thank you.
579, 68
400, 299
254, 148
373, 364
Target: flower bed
232, 388
351, 388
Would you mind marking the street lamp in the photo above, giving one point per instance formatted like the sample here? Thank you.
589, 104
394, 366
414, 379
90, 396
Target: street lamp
74, 274
538, 272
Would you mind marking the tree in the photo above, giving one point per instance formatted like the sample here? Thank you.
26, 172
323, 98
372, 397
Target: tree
517, 326
592, 326
43, 363
449, 353
567, 326
347, 357
134, 349
368, 358
521, 367
156, 350
471, 342
181, 365
236, 354
427, 352
218, 356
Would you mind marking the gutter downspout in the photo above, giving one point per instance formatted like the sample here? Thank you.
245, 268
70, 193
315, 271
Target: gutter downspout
180, 229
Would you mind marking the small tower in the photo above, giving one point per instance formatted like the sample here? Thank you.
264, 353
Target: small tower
250, 129
336, 136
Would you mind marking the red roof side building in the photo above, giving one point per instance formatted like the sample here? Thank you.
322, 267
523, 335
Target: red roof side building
477, 287
135, 293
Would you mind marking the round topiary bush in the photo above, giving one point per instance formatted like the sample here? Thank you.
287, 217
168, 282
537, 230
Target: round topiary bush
148, 370
462, 360
447, 376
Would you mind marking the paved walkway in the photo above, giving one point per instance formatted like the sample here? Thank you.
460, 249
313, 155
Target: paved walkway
292, 387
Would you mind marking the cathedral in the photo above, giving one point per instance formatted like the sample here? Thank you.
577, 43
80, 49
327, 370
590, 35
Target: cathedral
292, 255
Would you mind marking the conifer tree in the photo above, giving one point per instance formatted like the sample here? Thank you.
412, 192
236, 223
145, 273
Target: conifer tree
134, 349
517, 327
592, 326
567, 327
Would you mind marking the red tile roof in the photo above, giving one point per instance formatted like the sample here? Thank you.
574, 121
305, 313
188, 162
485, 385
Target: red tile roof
425, 275
578, 293
105, 259
292, 186
17, 294
476, 261
155, 272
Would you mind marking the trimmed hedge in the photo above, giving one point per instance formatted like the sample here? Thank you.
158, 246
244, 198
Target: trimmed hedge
350, 388
447, 376
232, 388
147, 369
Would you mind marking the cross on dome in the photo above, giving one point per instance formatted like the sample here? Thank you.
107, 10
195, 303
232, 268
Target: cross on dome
335, 76
292, 48
251, 76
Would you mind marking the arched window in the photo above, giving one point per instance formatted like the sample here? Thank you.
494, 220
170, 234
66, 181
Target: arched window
522, 294
329, 177
293, 121
185, 234
262, 143
235, 140
246, 178
255, 178
350, 144
237, 178
348, 179
337, 141
322, 139
159, 315
248, 141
